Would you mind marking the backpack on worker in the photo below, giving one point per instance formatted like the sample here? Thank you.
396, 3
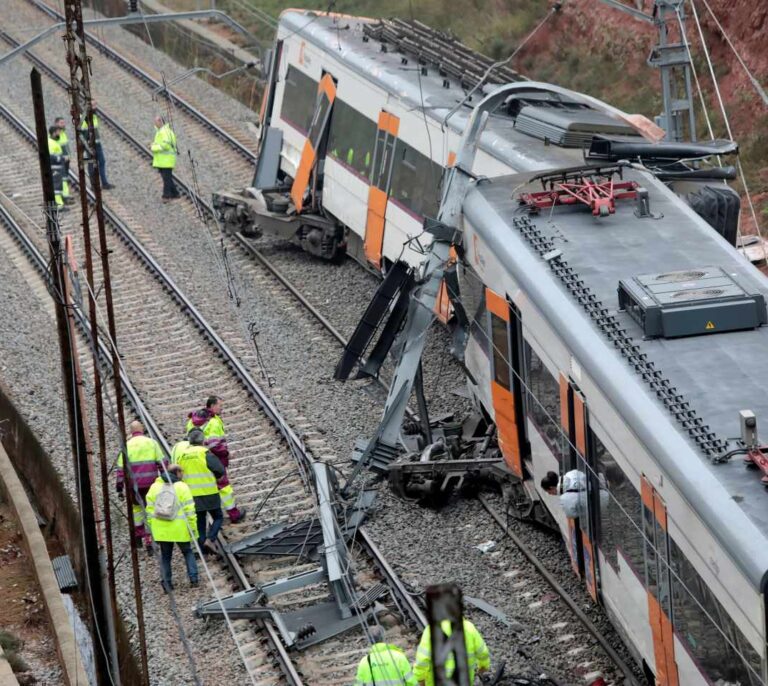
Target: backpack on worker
166, 503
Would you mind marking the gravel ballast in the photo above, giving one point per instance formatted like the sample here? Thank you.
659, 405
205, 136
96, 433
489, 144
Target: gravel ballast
297, 355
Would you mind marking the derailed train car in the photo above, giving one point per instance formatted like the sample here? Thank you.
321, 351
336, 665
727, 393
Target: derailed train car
360, 119
621, 338
631, 347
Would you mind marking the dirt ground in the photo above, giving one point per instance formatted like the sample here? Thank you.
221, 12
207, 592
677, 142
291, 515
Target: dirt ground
23, 616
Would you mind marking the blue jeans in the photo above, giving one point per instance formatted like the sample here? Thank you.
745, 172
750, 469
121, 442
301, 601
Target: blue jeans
202, 523
102, 164
166, 552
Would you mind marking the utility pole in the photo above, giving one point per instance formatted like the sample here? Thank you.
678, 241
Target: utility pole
444, 603
82, 103
73, 390
673, 62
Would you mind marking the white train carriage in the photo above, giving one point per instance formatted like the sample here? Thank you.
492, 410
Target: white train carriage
642, 393
360, 120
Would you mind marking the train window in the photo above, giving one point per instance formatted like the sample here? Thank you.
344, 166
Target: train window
500, 341
299, 97
415, 181
352, 137
473, 298
619, 530
712, 638
543, 404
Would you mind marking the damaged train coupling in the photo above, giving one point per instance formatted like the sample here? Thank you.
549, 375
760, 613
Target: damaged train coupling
462, 458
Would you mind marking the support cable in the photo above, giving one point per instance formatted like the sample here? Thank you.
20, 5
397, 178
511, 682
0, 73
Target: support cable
726, 121
761, 92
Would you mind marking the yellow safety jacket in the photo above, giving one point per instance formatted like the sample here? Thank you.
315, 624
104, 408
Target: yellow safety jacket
164, 148
64, 142
178, 529
55, 152
197, 476
145, 458
179, 449
96, 125
385, 665
477, 653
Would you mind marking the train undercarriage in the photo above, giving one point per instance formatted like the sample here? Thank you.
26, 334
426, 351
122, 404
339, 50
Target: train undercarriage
253, 213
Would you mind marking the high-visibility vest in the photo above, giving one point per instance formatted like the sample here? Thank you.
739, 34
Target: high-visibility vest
55, 152
96, 124
213, 428
144, 457
478, 656
178, 529
164, 148
385, 665
179, 449
64, 143
197, 476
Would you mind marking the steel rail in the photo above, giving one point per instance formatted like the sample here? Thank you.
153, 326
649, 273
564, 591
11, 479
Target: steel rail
402, 596
149, 80
194, 197
555, 584
127, 236
40, 264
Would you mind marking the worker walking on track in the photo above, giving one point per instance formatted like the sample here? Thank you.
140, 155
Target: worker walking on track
384, 665
56, 156
99, 152
63, 140
200, 470
164, 153
145, 460
478, 657
209, 420
173, 520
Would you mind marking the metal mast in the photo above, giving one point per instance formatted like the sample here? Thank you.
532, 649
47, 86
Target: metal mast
678, 118
82, 104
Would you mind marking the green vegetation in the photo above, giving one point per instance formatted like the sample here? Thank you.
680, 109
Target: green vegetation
573, 50
11, 645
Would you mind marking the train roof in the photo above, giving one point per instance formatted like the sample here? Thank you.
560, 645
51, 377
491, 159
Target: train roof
719, 374
344, 39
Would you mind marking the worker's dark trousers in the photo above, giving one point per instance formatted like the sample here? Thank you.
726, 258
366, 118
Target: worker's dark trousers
166, 553
102, 164
169, 187
202, 525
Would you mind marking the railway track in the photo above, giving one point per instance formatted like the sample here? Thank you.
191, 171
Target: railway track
264, 445
247, 250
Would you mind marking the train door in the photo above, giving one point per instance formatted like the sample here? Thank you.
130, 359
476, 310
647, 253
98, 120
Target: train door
318, 128
506, 390
582, 529
658, 581
378, 193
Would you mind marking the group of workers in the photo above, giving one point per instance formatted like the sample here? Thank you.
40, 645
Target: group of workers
387, 665
59, 152
171, 506
172, 501
163, 147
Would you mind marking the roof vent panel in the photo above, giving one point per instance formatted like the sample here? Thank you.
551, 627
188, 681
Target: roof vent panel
566, 125
690, 302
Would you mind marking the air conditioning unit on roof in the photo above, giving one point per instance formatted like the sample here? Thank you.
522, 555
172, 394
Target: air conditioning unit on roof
690, 302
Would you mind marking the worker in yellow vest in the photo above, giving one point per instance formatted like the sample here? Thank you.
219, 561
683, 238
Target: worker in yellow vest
477, 654
145, 459
99, 151
61, 124
173, 520
200, 469
209, 420
164, 152
384, 664
57, 166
